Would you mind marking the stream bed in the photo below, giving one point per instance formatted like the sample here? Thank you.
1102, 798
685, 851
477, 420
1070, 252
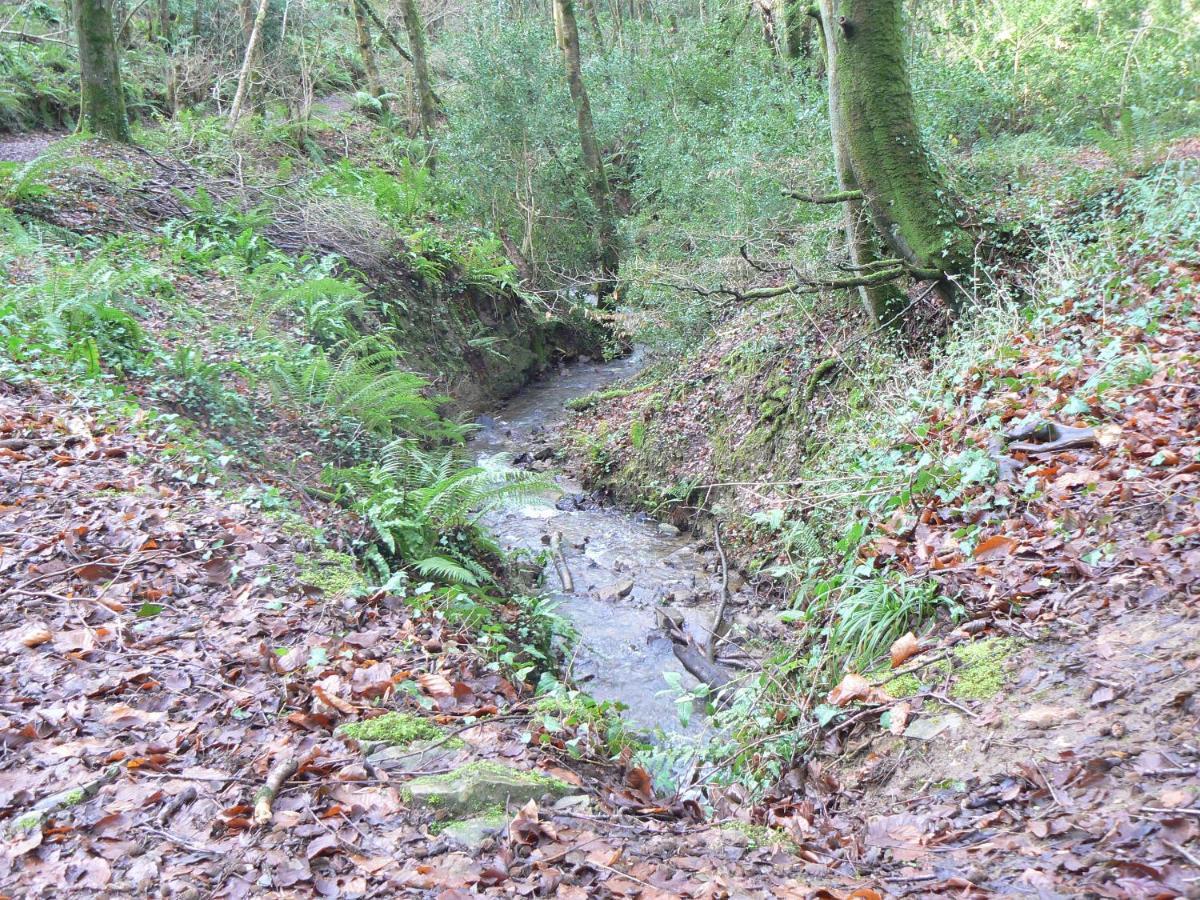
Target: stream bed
621, 653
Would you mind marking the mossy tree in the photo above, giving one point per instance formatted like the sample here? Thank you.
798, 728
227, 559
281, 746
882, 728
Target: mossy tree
914, 211
427, 104
366, 49
102, 98
883, 301
567, 33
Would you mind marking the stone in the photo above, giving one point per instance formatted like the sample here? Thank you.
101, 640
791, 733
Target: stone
473, 832
1047, 716
929, 727
482, 786
667, 529
616, 591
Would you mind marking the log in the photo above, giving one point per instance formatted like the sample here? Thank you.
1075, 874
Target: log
692, 659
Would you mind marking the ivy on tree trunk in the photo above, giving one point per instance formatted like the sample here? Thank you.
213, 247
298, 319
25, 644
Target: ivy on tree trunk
102, 99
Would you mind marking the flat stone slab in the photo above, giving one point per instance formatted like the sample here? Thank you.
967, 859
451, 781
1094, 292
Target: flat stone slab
482, 786
471, 833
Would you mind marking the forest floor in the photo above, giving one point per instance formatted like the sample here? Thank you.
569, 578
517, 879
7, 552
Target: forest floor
176, 641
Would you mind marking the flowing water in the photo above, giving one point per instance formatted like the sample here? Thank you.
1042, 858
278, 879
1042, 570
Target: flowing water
621, 653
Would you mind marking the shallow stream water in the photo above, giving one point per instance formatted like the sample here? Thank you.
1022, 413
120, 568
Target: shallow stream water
621, 654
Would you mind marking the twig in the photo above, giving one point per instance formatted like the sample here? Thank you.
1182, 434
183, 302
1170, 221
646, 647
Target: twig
281, 772
69, 797
187, 795
560, 563
1184, 852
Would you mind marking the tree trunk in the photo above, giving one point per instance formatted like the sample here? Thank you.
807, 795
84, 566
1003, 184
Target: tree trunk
598, 188
883, 302
365, 49
426, 100
910, 204
101, 98
167, 35
798, 29
589, 7
244, 77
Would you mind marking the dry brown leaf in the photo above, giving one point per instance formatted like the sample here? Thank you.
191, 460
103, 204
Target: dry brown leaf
852, 687
995, 547
435, 685
900, 714
903, 648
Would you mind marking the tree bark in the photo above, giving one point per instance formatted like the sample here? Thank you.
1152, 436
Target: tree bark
365, 49
426, 99
883, 302
597, 178
909, 202
244, 77
167, 36
102, 100
798, 29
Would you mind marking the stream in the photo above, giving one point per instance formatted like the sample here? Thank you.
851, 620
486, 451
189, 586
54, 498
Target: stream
621, 654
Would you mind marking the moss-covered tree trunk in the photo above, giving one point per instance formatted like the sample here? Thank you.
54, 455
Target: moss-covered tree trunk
883, 302
366, 50
167, 36
593, 162
101, 98
798, 29
426, 99
911, 205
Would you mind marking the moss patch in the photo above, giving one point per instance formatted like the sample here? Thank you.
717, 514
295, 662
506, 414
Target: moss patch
759, 835
980, 668
330, 572
395, 728
482, 785
977, 668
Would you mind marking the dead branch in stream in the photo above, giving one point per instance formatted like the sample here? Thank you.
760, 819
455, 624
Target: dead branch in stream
560, 563
717, 632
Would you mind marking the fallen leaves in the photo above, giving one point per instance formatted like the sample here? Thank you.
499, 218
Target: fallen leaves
903, 649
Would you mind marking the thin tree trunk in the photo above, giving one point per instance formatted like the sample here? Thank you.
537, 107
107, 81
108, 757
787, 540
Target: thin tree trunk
426, 99
594, 20
910, 203
244, 77
101, 98
598, 187
883, 302
365, 49
167, 34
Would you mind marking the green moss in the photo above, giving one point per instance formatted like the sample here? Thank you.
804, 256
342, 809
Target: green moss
494, 816
485, 768
760, 835
73, 798
330, 572
904, 686
29, 821
980, 670
396, 728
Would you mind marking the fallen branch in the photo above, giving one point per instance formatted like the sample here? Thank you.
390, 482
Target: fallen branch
560, 563
700, 666
25, 38
718, 628
47, 806
387, 32
265, 799
835, 197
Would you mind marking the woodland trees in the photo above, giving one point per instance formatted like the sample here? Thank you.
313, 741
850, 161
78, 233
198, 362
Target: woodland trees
102, 98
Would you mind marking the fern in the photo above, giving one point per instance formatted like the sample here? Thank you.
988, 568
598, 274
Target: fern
361, 385
422, 508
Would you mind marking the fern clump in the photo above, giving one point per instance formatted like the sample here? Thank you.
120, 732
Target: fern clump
422, 508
